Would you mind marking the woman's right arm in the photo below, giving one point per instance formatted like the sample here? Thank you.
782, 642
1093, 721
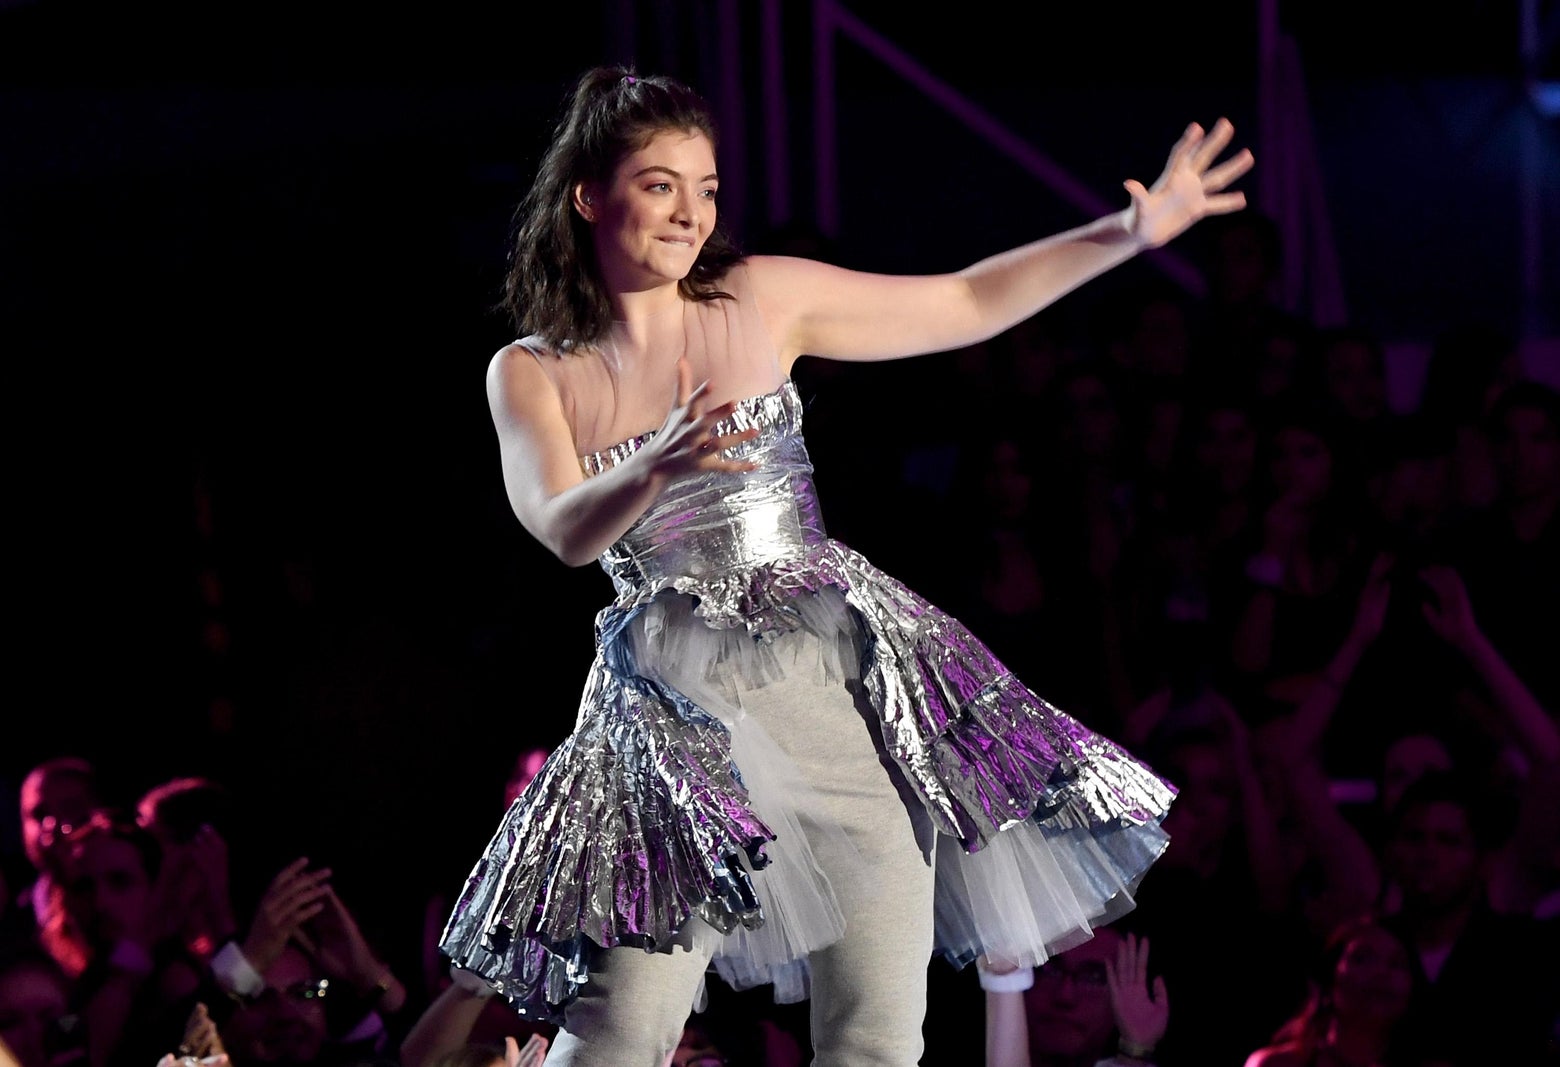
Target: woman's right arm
575, 517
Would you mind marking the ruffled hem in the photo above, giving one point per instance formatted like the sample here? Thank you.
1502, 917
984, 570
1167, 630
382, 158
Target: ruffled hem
642, 820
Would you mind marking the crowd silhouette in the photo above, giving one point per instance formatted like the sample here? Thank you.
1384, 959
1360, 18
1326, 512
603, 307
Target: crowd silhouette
1198, 525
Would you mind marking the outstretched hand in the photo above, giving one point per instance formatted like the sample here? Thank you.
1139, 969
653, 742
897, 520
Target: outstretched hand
687, 440
1191, 186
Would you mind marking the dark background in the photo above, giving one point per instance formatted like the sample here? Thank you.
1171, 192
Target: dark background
248, 254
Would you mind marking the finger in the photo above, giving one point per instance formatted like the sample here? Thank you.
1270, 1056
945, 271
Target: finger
1135, 190
1224, 203
695, 399
684, 380
1209, 147
291, 871
1228, 171
511, 1051
1182, 148
730, 440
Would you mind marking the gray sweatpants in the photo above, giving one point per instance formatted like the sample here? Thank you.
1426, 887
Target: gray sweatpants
869, 988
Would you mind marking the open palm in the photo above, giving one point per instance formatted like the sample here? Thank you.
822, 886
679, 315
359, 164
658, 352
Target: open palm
1191, 186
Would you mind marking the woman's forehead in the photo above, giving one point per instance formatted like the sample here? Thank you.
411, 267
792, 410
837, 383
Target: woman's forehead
687, 152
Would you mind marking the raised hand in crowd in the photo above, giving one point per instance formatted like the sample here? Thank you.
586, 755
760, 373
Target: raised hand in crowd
1313, 715
332, 936
295, 895
1141, 1005
1094, 1004
1521, 718
195, 858
201, 1045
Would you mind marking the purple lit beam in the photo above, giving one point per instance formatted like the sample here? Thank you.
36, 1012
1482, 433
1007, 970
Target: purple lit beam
829, 18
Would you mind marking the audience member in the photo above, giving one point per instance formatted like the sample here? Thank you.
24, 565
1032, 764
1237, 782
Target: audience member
116, 934
1358, 1009
57, 796
1508, 553
1485, 1003
1304, 567
1093, 1005
1470, 365
37, 1022
1216, 905
304, 976
184, 815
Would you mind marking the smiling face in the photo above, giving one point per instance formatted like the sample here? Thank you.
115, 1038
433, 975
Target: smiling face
651, 218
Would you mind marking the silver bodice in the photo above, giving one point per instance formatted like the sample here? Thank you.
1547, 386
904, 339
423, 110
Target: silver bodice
711, 526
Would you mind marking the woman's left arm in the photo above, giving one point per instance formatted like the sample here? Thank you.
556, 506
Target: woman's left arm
824, 310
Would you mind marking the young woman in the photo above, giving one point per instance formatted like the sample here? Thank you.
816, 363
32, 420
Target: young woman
785, 763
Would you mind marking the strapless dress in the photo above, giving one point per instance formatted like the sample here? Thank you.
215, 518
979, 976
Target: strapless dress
667, 813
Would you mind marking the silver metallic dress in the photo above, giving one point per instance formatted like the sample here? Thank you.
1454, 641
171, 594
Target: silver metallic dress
665, 814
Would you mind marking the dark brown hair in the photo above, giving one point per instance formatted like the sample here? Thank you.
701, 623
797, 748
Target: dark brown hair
553, 288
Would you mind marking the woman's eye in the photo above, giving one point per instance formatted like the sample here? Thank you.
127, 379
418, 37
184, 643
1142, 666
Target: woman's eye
662, 186
708, 194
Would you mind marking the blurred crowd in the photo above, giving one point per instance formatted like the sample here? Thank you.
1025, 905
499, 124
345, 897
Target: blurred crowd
1199, 525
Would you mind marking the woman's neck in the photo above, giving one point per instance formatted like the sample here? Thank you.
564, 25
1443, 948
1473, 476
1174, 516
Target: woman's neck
634, 312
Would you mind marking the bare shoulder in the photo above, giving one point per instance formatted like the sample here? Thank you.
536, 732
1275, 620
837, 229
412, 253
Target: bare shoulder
516, 381
520, 356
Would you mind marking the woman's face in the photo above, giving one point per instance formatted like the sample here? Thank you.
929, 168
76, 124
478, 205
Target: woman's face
652, 217
1302, 464
107, 888
1373, 977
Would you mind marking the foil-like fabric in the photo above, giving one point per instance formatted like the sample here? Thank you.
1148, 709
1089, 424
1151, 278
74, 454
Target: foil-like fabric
639, 822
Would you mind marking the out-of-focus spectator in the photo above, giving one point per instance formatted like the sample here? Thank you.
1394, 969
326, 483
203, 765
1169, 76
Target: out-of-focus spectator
1249, 337
1486, 1003
1470, 365
37, 1022
117, 936
1358, 1009
1216, 904
1303, 568
185, 815
57, 796
305, 985
1093, 1005
1508, 553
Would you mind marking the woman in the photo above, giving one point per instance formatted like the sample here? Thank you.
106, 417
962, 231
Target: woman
776, 739
1355, 1014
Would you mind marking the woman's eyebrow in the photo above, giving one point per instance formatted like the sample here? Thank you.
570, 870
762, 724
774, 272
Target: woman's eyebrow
656, 168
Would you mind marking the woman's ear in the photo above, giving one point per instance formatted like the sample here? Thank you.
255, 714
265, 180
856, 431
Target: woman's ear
585, 201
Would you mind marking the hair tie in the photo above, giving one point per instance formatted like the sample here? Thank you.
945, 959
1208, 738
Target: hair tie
628, 79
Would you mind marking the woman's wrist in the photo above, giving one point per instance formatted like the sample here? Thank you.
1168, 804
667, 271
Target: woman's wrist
1134, 1051
1014, 981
